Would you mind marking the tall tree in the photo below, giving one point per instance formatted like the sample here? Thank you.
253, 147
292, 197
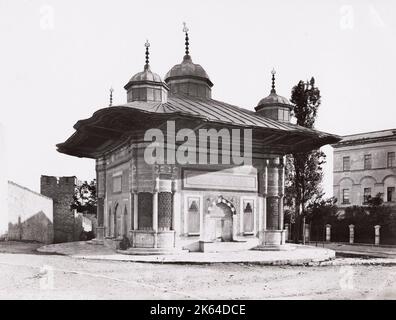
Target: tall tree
85, 199
304, 172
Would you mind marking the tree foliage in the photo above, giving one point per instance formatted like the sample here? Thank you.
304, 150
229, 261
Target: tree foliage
323, 211
364, 218
304, 171
85, 199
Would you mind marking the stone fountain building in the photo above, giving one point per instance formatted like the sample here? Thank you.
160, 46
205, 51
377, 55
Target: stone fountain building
165, 205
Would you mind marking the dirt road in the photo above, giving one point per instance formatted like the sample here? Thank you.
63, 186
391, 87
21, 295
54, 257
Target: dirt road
31, 276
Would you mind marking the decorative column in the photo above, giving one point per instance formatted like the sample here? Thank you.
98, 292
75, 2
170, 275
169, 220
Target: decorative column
101, 193
265, 193
175, 210
281, 193
155, 211
273, 195
377, 234
351, 233
272, 237
328, 232
134, 194
135, 210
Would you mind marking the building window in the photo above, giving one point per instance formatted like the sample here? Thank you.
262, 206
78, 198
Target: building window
367, 161
193, 216
391, 159
248, 217
366, 195
390, 194
346, 164
283, 114
117, 184
345, 196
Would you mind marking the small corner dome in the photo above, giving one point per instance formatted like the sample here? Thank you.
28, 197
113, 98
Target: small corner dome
274, 99
146, 86
146, 75
275, 106
187, 69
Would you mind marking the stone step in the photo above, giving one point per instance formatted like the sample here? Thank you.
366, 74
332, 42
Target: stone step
153, 251
231, 246
111, 243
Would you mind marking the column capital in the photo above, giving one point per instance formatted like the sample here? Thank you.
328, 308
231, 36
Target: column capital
273, 162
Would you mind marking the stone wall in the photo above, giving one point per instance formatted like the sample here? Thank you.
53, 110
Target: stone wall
61, 190
30, 215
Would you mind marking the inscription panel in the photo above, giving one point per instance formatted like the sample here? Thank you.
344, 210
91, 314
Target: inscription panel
196, 179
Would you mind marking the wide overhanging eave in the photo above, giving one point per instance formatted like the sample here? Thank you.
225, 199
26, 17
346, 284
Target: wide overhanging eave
94, 137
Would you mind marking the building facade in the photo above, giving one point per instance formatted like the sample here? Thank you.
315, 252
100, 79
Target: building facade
162, 203
365, 166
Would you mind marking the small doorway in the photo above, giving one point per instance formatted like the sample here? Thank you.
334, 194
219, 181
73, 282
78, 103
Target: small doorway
222, 216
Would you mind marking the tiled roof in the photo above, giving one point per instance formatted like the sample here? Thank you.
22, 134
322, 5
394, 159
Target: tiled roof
216, 111
111, 123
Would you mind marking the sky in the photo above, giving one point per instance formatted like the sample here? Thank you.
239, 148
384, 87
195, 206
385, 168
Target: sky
58, 60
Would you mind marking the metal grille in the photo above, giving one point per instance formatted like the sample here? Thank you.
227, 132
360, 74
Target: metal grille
145, 210
165, 210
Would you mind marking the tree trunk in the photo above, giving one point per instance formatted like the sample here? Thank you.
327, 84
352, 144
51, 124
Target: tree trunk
297, 226
297, 230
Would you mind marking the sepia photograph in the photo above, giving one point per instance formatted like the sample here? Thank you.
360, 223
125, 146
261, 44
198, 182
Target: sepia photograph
181, 151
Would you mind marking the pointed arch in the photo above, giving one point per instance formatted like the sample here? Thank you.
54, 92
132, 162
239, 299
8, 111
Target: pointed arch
228, 203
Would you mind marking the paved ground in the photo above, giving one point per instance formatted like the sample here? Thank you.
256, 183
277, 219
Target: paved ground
19, 247
27, 276
296, 255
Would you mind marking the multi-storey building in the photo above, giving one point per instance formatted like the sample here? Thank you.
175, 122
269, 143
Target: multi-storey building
365, 166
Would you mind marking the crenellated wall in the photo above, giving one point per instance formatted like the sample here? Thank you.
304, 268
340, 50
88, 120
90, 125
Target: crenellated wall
61, 191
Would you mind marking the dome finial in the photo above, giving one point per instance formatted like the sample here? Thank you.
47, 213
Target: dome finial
111, 96
185, 30
273, 72
147, 45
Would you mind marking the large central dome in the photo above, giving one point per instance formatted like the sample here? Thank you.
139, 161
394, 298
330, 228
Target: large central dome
189, 78
188, 69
